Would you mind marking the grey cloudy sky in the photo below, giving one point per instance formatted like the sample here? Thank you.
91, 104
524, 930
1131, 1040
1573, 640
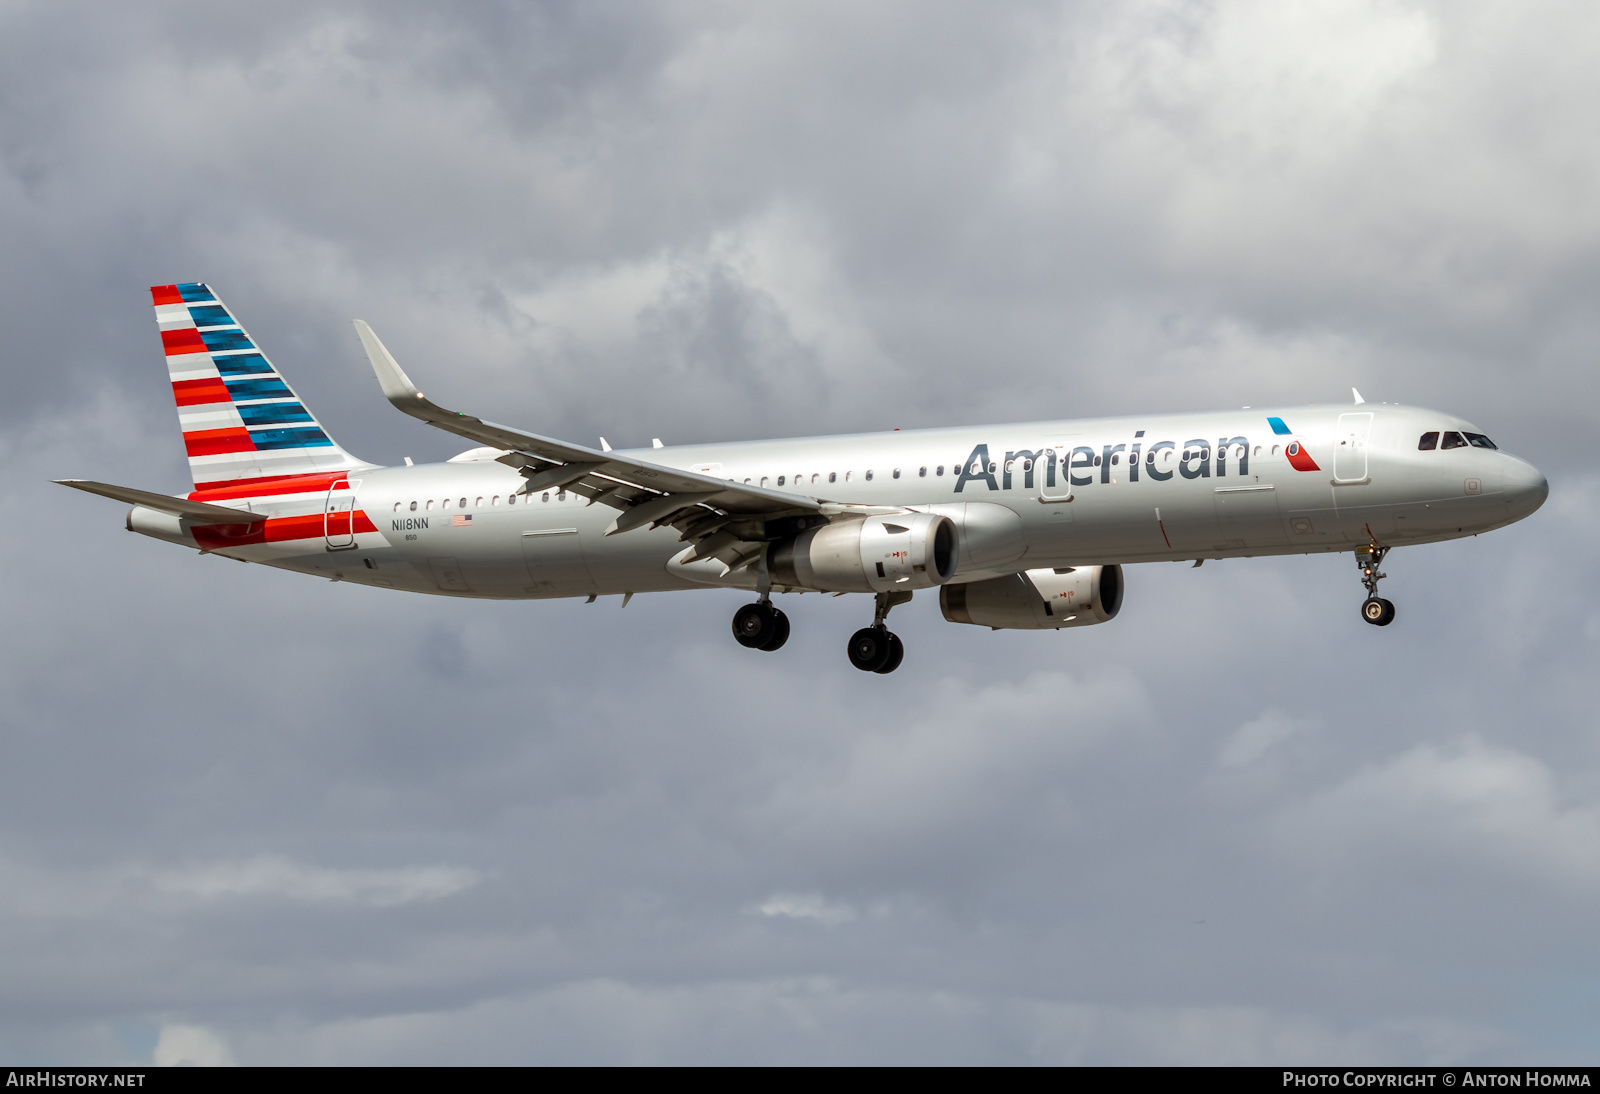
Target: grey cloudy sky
249, 816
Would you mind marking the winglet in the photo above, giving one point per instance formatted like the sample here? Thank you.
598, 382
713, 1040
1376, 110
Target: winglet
1357, 394
397, 386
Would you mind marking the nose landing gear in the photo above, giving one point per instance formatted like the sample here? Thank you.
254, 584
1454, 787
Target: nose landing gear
1375, 609
875, 648
760, 626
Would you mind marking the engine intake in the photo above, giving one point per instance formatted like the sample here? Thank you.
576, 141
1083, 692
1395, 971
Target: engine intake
1037, 600
871, 555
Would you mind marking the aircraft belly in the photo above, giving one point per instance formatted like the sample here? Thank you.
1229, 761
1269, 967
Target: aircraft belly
638, 561
1184, 516
1116, 518
1249, 515
553, 562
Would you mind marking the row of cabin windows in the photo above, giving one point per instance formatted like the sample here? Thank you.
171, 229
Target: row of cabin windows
922, 472
461, 503
833, 476
976, 469
1452, 439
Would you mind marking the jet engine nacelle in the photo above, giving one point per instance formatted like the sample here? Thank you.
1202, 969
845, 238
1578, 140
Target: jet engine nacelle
1037, 600
872, 555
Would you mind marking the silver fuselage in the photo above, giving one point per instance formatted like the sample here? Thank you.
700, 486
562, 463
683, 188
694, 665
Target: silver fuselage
1061, 493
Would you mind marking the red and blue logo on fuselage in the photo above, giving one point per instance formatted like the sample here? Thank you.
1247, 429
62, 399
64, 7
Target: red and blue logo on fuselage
1299, 458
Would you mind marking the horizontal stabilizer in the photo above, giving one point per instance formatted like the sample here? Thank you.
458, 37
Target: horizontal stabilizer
164, 503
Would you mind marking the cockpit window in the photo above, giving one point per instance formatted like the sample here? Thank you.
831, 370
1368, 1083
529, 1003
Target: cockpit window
1429, 442
1453, 439
1478, 440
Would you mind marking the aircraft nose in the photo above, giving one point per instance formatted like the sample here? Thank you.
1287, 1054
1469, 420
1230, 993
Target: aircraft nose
1524, 486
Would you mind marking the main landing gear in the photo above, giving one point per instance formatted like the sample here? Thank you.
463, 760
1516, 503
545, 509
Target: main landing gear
876, 648
760, 626
1375, 609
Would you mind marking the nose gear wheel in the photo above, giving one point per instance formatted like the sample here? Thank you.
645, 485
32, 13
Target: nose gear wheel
1375, 609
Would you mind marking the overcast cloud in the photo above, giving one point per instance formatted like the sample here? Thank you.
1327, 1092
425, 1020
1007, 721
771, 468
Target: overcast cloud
247, 816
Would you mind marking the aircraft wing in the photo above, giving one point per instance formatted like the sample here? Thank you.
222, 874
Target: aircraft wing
723, 519
164, 503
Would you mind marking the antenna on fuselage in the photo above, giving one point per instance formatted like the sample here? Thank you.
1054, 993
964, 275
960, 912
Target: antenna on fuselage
1357, 394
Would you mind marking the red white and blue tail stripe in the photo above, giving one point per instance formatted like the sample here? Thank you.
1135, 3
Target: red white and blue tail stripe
244, 428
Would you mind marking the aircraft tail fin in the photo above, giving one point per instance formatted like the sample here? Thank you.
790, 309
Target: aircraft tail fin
242, 423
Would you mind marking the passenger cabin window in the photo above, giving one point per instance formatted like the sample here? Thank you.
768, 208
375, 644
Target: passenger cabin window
780, 480
1429, 442
413, 507
429, 505
480, 503
922, 472
1478, 440
897, 472
396, 507
1452, 439
546, 496
939, 471
1274, 450
833, 476
847, 475
511, 499
463, 503
869, 474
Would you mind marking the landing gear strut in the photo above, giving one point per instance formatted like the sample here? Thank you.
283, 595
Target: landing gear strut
1375, 609
875, 648
760, 626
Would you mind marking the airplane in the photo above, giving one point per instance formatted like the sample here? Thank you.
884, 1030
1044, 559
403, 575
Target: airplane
1019, 527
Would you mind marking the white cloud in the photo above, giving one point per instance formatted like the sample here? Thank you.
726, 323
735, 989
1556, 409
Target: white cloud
806, 906
191, 1046
1253, 740
281, 878
1476, 804
1253, 82
832, 1020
